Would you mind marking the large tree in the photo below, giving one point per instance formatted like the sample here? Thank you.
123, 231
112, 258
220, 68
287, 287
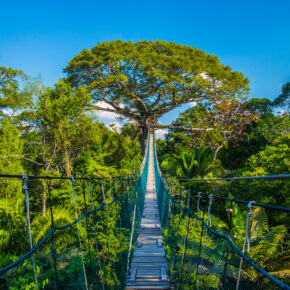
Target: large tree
283, 100
223, 122
144, 80
16, 91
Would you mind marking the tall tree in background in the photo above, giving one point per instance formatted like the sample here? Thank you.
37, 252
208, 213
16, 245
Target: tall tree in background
283, 100
222, 122
64, 130
144, 80
16, 90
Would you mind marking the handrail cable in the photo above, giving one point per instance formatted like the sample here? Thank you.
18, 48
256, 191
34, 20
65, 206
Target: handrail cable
264, 205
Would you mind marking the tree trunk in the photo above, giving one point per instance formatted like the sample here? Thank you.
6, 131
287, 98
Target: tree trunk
67, 164
143, 138
217, 151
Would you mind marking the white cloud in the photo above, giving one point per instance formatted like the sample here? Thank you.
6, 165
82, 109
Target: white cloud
192, 104
204, 75
105, 114
160, 133
103, 104
114, 126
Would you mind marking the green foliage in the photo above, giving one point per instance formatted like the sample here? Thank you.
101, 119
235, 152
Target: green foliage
197, 163
42, 225
55, 133
261, 106
282, 101
11, 149
272, 127
15, 90
130, 130
144, 80
273, 160
57, 136
152, 75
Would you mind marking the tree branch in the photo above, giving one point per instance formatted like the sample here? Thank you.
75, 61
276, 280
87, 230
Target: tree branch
117, 111
30, 160
188, 128
131, 93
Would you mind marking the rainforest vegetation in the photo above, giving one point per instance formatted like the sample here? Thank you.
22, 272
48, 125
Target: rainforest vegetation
54, 131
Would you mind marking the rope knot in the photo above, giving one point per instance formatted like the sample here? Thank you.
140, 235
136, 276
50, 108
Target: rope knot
24, 181
247, 239
250, 206
73, 188
210, 199
72, 180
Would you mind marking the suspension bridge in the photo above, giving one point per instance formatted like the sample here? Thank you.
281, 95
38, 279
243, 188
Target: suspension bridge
135, 232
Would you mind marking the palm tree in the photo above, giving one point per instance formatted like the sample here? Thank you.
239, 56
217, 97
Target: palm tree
191, 164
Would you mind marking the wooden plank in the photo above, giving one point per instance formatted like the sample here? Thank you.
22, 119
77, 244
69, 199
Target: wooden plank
133, 273
149, 260
154, 265
164, 274
148, 266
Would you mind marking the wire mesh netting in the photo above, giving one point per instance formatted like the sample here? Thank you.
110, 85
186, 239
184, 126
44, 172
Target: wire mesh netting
198, 256
70, 233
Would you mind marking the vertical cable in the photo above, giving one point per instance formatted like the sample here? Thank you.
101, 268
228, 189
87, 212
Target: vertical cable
80, 243
25, 190
230, 210
53, 250
95, 235
102, 190
184, 242
246, 241
205, 235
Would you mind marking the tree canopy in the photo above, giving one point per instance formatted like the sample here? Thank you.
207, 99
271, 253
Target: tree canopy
15, 90
283, 100
144, 80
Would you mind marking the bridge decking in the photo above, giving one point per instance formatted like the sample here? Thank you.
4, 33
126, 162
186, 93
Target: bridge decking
149, 268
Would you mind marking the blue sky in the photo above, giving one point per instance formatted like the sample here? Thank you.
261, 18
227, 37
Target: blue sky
253, 37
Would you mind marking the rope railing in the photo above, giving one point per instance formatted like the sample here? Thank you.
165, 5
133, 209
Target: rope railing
201, 257
277, 176
111, 218
257, 204
19, 176
92, 250
239, 201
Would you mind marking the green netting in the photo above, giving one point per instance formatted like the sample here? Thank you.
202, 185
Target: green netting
199, 257
84, 244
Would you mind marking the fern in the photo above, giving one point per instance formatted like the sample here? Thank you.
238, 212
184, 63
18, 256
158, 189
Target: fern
42, 225
268, 248
259, 224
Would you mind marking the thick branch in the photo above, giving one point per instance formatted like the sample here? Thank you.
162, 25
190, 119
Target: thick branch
131, 93
117, 111
188, 128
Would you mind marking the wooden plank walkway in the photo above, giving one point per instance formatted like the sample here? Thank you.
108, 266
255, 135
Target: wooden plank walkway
149, 268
